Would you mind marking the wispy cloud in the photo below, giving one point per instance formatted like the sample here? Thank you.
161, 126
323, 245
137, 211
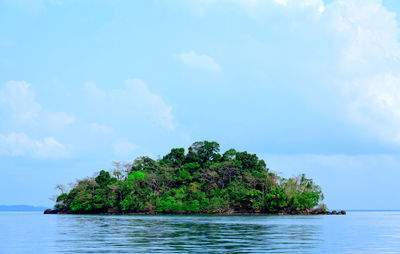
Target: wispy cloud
20, 144
60, 119
123, 148
368, 77
252, 7
194, 60
100, 128
18, 99
135, 99
21, 110
18, 103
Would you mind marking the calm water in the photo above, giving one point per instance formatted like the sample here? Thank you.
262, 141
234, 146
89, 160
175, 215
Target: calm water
357, 232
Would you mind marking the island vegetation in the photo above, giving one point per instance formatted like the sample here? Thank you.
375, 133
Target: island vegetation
201, 181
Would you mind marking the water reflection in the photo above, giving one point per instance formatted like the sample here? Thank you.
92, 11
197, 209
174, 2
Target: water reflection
128, 234
360, 232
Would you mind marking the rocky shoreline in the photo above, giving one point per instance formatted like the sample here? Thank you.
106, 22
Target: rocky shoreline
283, 212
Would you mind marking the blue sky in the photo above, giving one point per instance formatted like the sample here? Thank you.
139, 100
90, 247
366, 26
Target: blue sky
310, 86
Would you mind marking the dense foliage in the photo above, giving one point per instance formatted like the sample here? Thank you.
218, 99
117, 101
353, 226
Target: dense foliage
199, 181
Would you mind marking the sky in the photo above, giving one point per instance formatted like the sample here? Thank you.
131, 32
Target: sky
310, 86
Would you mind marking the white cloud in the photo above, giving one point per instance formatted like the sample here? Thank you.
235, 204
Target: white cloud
199, 7
365, 66
258, 8
252, 7
123, 148
95, 127
374, 103
135, 100
18, 100
60, 119
365, 71
281, 2
365, 39
362, 55
34, 6
21, 111
194, 60
202, 5
155, 105
19, 144
91, 88
368, 78
286, 3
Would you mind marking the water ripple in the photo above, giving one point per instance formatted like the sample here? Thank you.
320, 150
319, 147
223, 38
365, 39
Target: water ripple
353, 233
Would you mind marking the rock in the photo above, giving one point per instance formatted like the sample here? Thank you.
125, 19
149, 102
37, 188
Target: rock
318, 211
48, 211
343, 212
112, 210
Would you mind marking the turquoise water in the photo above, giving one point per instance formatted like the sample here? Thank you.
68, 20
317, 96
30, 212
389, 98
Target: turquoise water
357, 232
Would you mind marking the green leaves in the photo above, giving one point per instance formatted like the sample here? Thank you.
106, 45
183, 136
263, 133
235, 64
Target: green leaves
183, 176
276, 199
176, 157
136, 175
201, 181
103, 179
302, 192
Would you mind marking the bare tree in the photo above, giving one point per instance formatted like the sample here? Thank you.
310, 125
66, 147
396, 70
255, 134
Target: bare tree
117, 174
121, 169
127, 167
61, 187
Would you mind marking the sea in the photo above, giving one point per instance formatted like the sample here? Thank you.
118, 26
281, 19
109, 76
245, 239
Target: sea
356, 232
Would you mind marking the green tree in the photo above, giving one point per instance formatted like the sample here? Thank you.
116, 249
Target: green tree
103, 179
176, 157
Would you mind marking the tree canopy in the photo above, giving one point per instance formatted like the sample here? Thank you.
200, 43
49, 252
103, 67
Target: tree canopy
199, 181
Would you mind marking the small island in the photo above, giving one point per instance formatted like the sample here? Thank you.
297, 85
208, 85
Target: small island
201, 181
